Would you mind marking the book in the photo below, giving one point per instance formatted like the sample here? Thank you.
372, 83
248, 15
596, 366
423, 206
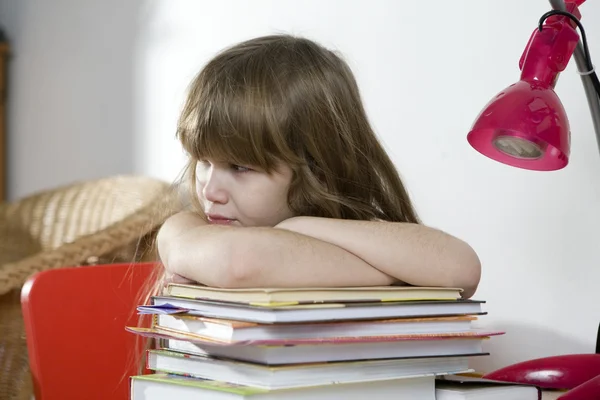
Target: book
460, 387
302, 375
269, 296
230, 330
165, 386
312, 312
322, 350
333, 343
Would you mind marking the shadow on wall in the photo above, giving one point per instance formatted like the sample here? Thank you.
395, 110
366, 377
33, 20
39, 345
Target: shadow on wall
508, 349
71, 104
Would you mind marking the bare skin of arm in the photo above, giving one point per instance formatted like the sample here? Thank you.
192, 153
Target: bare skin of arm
224, 256
307, 251
412, 253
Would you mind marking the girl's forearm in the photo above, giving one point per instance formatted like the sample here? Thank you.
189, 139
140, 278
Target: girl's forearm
265, 257
412, 253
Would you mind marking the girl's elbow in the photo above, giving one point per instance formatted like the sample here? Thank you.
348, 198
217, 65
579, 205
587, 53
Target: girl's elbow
210, 260
469, 271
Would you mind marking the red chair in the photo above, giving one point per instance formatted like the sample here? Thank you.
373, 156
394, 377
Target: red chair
75, 322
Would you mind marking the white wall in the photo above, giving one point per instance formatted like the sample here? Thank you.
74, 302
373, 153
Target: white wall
96, 88
71, 101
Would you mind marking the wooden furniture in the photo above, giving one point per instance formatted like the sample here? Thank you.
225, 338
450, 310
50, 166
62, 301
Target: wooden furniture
3, 162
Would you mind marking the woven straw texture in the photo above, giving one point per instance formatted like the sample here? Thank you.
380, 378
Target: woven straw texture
102, 221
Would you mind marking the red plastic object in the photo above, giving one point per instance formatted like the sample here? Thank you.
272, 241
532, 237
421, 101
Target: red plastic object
75, 322
589, 390
557, 372
526, 125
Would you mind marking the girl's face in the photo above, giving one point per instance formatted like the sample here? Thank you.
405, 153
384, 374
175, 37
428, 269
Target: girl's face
243, 196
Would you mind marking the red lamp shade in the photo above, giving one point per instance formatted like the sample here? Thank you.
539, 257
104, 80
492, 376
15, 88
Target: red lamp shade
525, 126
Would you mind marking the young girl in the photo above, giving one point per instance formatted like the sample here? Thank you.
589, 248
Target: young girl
291, 185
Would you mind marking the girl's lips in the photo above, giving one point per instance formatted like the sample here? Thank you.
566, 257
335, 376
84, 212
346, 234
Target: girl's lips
219, 219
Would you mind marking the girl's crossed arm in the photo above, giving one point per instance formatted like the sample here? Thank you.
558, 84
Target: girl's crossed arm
411, 253
225, 256
308, 251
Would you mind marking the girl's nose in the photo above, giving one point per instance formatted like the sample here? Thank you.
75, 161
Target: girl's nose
213, 189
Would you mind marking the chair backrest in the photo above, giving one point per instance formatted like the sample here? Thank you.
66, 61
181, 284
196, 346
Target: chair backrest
75, 322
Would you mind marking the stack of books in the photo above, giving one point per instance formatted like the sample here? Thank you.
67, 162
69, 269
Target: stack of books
306, 343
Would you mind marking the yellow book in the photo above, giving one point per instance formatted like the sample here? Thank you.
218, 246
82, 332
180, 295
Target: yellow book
291, 296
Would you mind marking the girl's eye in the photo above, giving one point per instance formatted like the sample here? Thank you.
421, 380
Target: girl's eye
239, 168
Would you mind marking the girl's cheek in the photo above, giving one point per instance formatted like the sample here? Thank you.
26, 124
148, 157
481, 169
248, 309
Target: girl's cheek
200, 188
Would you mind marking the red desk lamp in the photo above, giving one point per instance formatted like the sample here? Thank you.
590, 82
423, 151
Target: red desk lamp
526, 126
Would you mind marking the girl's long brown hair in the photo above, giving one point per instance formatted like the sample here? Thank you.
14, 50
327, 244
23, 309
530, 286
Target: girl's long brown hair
287, 99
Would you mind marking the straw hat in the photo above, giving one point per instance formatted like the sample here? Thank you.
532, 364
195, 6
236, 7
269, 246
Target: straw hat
101, 221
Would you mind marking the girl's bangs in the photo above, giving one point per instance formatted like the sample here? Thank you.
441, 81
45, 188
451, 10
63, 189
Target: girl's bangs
236, 128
